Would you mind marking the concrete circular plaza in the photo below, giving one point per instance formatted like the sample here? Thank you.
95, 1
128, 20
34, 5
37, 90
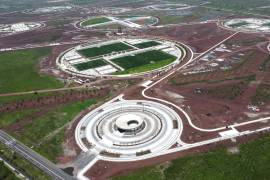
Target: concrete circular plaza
129, 130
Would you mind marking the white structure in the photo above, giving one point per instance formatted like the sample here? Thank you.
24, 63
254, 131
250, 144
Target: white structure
20, 27
49, 9
248, 25
128, 130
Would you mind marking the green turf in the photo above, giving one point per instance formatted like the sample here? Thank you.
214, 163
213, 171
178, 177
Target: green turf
90, 64
19, 71
95, 21
146, 44
252, 162
105, 49
143, 62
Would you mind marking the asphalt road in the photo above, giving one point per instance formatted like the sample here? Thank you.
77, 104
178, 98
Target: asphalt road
33, 157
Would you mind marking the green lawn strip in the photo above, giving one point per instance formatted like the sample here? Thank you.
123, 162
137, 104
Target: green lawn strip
7, 119
144, 61
252, 162
22, 164
146, 44
105, 49
90, 64
97, 20
19, 71
45, 126
6, 173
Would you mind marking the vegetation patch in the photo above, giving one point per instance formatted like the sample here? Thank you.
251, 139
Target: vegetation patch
262, 95
46, 133
229, 92
250, 163
19, 71
105, 49
23, 165
265, 65
6, 173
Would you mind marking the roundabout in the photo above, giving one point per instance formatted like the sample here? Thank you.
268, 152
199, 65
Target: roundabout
129, 130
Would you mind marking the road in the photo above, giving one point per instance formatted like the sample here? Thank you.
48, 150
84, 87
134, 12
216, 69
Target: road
33, 157
174, 71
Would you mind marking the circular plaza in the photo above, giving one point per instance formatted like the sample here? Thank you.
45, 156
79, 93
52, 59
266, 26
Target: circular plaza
129, 130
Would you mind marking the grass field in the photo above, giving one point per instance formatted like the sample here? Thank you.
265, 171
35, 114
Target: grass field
102, 50
90, 65
252, 162
147, 44
46, 133
142, 62
96, 20
19, 71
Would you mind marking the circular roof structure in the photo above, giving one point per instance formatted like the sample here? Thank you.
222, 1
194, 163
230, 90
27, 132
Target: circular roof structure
146, 129
129, 122
253, 25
